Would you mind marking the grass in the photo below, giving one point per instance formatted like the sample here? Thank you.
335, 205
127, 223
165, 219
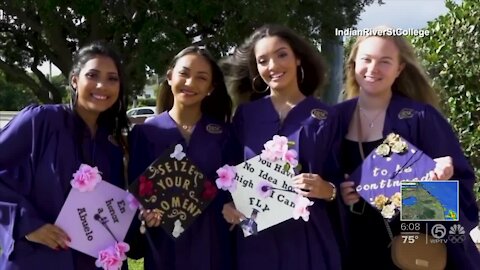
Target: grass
135, 264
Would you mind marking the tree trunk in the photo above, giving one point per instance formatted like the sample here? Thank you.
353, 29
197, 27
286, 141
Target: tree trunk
332, 51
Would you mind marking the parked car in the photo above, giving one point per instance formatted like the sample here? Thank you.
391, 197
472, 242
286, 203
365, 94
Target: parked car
139, 114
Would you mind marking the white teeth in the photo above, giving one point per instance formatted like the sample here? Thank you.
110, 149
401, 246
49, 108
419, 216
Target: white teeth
371, 79
99, 97
188, 92
276, 76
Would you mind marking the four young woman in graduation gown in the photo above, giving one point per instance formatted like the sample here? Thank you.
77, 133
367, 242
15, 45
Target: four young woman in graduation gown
44, 145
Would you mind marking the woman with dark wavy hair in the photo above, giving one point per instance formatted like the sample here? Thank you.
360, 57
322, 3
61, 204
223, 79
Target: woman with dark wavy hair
279, 72
41, 149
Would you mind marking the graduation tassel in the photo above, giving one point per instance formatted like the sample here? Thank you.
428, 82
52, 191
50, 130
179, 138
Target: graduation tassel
102, 220
389, 230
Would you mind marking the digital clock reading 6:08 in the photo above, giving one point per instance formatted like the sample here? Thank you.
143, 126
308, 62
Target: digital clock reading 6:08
410, 227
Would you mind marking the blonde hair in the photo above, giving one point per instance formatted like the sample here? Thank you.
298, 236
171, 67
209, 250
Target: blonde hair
413, 82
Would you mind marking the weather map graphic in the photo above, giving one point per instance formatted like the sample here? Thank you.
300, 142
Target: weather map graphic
429, 201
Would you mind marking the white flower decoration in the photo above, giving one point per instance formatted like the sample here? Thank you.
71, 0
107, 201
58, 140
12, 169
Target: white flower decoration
383, 150
388, 211
178, 153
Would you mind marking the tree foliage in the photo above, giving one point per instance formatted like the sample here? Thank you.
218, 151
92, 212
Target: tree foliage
147, 33
451, 55
14, 97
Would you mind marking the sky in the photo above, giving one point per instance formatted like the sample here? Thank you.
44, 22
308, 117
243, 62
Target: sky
403, 14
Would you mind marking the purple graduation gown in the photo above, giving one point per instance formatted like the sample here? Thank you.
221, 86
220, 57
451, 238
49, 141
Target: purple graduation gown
39, 154
426, 128
293, 244
203, 246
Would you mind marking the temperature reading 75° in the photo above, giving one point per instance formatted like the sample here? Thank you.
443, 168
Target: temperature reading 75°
409, 239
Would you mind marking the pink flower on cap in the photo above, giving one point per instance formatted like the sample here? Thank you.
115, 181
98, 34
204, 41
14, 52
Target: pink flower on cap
86, 178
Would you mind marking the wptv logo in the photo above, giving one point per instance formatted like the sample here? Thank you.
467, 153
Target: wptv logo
455, 234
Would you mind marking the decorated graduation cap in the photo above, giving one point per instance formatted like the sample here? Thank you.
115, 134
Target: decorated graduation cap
96, 216
262, 187
379, 177
7, 218
176, 189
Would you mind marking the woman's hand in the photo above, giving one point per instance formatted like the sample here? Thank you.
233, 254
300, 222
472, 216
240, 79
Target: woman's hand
50, 236
347, 190
152, 217
443, 169
231, 214
313, 186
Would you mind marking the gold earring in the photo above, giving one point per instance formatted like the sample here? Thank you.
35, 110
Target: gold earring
255, 89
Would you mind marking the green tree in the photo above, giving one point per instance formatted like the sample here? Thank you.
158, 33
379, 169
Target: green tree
14, 97
147, 33
451, 55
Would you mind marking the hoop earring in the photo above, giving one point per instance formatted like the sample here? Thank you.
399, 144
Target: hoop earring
302, 73
255, 89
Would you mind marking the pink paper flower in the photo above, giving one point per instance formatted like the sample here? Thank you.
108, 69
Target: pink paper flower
268, 155
133, 203
121, 249
301, 208
226, 178
275, 149
291, 157
108, 259
112, 257
264, 189
86, 178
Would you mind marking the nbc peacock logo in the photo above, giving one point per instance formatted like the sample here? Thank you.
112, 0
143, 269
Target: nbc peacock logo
456, 234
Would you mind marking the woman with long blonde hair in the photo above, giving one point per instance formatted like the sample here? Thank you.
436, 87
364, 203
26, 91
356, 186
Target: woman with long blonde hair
388, 91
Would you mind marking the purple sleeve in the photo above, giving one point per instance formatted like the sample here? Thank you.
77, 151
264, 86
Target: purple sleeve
20, 142
7, 217
233, 148
438, 139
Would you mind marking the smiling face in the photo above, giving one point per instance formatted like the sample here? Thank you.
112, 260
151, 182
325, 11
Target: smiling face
190, 79
377, 65
97, 85
276, 63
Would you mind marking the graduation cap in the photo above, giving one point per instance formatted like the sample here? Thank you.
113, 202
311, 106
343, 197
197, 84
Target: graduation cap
264, 189
79, 217
379, 177
176, 189
7, 219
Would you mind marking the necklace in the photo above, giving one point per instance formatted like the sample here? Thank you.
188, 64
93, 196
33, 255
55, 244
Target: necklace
371, 122
187, 127
186, 131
